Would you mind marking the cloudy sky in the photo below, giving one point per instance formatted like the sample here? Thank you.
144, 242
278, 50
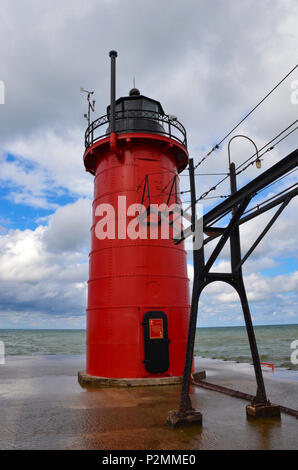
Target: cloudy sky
209, 63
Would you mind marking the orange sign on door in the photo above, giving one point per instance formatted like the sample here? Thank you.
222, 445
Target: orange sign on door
155, 328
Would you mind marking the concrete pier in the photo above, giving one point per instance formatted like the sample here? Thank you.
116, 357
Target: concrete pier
44, 407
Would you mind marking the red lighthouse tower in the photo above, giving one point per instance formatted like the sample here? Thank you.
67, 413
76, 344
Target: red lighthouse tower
138, 289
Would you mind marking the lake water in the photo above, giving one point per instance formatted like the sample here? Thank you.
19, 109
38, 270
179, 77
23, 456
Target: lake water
229, 343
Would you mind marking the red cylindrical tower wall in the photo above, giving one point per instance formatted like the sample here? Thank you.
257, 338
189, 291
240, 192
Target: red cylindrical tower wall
128, 277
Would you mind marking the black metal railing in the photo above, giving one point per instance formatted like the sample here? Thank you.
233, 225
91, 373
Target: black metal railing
136, 120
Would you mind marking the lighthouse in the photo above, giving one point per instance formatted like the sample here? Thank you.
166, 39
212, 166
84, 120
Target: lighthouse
138, 288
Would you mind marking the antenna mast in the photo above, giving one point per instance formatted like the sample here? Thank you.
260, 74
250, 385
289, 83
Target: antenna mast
91, 104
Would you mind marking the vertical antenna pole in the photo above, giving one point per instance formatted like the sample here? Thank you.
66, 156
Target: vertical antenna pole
113, 55
88, 99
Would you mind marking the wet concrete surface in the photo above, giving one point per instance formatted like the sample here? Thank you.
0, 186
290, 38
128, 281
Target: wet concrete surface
44, 407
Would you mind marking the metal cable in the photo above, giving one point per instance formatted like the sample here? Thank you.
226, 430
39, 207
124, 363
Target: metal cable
268, 143
245, 117
203, 195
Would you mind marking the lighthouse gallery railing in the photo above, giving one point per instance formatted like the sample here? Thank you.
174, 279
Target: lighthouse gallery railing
171, 126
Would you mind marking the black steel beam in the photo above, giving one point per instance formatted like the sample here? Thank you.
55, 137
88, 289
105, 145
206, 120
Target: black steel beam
235, 393
279, 169
269, 206
269, 176
261, 236
185, 402
215, 276
255, 213
226, 234
218, 230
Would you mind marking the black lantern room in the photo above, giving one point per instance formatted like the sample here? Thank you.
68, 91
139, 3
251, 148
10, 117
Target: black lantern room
137, 113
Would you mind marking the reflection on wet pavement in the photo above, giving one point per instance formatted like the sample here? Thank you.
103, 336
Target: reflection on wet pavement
44, 407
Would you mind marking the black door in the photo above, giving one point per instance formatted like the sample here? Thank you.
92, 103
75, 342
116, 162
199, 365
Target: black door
156, 342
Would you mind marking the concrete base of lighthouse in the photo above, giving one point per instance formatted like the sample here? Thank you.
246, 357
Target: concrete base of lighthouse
86, 380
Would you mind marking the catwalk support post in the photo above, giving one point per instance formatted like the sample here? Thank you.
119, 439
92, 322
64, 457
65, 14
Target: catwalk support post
261, 397
186, 414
